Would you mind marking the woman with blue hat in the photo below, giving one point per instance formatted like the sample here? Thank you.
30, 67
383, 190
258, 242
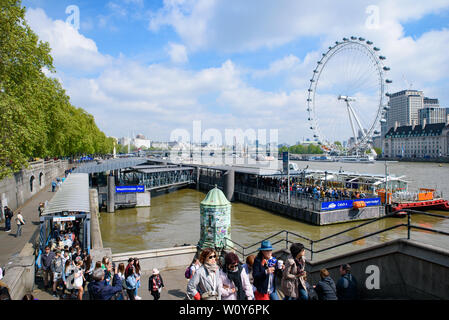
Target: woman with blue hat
264, 268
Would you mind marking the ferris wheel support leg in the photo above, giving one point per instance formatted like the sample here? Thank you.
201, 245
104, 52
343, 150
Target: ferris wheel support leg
352, 123
357, 120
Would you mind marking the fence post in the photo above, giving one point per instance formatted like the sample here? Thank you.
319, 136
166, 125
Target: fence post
409, 220
286, 242
311, 250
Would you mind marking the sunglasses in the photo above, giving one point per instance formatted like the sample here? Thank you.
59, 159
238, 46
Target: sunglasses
212, 257
233, 266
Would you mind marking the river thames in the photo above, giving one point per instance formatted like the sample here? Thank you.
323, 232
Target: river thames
174, 218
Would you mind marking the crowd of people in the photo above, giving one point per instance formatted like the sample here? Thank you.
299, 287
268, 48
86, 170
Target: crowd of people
70, 273
256, 279
318, 190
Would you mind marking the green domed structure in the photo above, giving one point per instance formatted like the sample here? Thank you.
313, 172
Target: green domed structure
215, 220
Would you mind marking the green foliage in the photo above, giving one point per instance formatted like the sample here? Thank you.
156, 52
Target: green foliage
302, 149
378, 151
36, 117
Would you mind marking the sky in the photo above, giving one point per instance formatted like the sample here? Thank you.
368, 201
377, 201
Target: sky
152, 67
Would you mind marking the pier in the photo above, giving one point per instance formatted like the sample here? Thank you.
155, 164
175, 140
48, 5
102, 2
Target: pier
392, 258
239, 183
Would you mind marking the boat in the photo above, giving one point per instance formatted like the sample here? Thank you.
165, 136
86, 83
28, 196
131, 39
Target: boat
322, 159
424, 199
261, 157
357, 159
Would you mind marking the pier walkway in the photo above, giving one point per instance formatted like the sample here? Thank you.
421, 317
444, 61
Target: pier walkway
12, 246
174, 281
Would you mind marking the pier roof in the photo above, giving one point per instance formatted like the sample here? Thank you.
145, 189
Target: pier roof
161, 169
107, 165
72, 196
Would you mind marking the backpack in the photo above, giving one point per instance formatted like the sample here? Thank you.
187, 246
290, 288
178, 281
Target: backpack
188, 273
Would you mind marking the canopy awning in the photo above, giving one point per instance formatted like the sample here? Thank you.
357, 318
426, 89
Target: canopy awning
72, 196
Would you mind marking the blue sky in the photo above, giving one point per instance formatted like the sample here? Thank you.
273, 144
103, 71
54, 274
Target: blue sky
155, 66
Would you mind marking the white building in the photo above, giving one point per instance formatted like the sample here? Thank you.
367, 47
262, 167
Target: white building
124, 141
417, 141
141, 142
404, 106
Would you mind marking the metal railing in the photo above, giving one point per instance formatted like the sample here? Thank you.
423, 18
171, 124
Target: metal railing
312, 202
286, 235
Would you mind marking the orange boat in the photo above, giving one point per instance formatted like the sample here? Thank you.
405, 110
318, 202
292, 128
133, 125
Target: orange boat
424, 200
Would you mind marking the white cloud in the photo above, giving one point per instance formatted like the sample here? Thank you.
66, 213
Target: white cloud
70, 49
178, 53
158, 98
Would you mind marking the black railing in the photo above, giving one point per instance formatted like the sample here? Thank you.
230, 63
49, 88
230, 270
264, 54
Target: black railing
246, 251
309, 201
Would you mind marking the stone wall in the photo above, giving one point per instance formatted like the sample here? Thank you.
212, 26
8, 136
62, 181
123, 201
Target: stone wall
159, 258
21, 186
399, 269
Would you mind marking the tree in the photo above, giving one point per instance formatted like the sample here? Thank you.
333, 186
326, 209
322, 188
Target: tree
36, 116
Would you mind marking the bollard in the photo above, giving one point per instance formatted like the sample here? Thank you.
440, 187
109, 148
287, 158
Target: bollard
111, 194
229, 184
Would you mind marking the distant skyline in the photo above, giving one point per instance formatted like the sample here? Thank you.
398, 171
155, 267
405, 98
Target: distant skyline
152, 67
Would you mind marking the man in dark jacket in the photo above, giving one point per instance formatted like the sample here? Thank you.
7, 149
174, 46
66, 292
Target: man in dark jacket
325, 288
46, 259
347, 285
8, 216
99, 289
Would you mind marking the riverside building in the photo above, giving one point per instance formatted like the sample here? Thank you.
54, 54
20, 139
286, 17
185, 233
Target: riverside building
425, 141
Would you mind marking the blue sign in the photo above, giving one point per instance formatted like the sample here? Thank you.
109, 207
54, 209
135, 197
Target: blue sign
130, 189
347, 204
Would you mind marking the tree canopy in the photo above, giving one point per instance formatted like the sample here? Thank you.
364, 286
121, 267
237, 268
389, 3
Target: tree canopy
37, 119
302, 149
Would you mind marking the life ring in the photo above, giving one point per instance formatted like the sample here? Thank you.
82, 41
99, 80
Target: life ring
359, 204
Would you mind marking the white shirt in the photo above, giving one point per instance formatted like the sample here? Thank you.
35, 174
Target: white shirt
19, 219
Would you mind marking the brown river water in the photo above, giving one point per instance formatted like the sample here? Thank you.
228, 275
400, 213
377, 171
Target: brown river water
174, 218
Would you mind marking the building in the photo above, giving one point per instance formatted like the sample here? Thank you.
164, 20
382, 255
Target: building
141, 142
159, 145
431, 103
432, 114
124, 141
403, 108
417, 141
377, 142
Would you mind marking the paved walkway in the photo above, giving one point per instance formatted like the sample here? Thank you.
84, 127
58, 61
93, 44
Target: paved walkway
9, 244
174, 281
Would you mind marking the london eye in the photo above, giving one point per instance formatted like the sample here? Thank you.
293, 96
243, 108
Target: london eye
347, 96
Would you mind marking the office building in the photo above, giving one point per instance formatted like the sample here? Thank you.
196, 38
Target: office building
432, 115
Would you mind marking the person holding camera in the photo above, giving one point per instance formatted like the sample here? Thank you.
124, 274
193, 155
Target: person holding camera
99, 289
206, 283
264, 268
